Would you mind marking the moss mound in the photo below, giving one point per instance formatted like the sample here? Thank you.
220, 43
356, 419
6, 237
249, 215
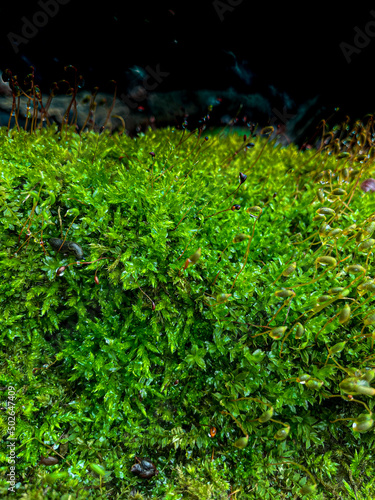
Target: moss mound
220, 321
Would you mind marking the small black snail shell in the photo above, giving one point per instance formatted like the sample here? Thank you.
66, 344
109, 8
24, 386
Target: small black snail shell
144, 468
67, 247
243, 178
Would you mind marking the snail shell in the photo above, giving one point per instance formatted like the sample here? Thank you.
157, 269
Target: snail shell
49, 461
67, 247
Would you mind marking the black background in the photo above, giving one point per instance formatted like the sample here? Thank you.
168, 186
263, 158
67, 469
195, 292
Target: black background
249, 48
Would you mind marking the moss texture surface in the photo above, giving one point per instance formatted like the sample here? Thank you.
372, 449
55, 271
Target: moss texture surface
219, 323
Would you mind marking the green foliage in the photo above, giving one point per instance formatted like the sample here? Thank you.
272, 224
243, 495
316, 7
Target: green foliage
202, 301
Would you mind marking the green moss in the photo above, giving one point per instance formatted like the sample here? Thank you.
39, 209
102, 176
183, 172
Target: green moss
143, 346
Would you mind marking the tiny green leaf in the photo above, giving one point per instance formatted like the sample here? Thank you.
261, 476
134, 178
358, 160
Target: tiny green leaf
98, 469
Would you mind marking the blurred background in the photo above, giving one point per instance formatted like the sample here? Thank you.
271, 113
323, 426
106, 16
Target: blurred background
175, 61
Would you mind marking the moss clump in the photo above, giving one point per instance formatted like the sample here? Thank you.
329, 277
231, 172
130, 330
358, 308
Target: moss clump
196, 307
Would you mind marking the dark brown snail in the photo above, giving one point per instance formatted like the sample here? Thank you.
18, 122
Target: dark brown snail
67, 247
49, 461
144, 468
60, 270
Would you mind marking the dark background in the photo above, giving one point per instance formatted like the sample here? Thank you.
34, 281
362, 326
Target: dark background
289, 56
